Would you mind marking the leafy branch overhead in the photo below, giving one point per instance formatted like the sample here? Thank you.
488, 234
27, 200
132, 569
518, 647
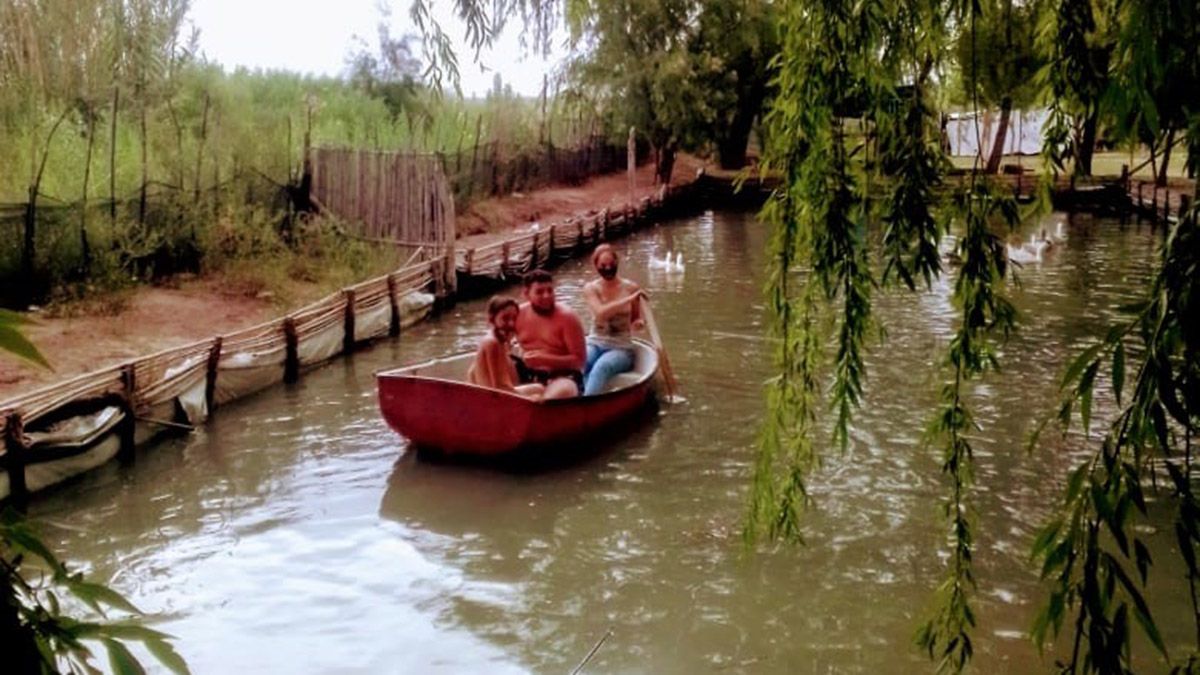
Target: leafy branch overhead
40, 637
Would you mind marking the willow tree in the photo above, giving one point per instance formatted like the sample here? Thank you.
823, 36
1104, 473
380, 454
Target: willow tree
862, 204
998, 63
1079, 37
1157, 80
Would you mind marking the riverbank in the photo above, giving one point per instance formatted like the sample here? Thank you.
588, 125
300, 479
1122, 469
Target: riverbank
95, 332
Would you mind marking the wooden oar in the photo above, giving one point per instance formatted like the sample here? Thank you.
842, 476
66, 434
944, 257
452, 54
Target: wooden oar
664, 362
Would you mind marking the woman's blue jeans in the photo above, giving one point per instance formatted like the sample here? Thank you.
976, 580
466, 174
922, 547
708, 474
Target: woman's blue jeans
602, 364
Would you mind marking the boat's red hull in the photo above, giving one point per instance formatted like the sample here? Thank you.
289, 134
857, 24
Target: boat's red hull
459, 418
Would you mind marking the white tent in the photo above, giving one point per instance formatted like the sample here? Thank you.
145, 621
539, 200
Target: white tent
965, 132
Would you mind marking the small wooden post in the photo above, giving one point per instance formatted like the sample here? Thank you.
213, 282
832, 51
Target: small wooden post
439, 282
1166, 205
470, 259
1185, 203
553, 232
1139, 195
578, 235
348, 321
1154, 201
128, 426
15, 449
533, 254
603, 227
1125, 177
505, 251
291, 360
214, 361
394, 325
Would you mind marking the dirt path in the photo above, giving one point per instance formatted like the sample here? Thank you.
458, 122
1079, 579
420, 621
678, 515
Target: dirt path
110, 329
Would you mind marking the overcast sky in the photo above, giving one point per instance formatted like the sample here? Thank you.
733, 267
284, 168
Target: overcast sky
315, 37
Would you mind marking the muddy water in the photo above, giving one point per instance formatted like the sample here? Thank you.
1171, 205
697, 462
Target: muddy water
296, 534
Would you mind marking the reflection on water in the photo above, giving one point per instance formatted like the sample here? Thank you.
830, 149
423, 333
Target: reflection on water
296, 534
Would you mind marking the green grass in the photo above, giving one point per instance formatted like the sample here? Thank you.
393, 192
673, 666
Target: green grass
1103, 163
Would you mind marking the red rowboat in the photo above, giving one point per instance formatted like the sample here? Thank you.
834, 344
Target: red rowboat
434, 406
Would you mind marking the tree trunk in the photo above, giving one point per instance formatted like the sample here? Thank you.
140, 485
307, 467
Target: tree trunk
993, 164
732, 142
1087, 143
200, 149
112, 157
83, 200
29, 250
665, 164
145, 170
1161, 178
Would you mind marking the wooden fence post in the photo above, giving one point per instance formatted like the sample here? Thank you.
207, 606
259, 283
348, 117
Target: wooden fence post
348, 321
533, 253
126, 430
578, 235
214, 361
553, 232
470, 260
291, 360
15, 449
394, 324
439, 282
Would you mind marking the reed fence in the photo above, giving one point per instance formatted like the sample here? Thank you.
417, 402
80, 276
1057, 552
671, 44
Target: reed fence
495, 168
66, 428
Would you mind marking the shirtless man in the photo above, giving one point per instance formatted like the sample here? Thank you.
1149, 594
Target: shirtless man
493, 366
551, 339
616, 313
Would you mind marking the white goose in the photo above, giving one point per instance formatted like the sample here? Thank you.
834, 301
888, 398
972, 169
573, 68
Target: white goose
1059, 234
661, 264
1022, 256
677, 266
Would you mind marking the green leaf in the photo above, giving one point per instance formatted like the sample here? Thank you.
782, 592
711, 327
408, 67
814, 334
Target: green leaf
1141, 609
121, 660
1080, 363
122, 630
166, 655
22, 538
13, 342
94, 594
1187, 547
1142, 558
1118, 370
1086, 388
11, 318
1046, 537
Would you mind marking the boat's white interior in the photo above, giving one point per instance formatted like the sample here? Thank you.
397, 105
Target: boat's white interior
455, 368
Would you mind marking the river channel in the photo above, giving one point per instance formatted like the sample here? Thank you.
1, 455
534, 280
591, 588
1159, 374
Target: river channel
295, 534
